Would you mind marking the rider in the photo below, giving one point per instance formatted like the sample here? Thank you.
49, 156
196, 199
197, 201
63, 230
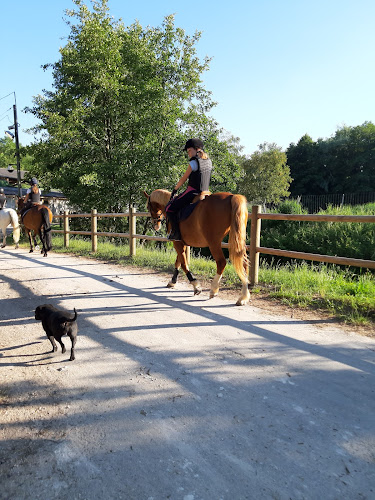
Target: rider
199, 174
3, 198
32, 196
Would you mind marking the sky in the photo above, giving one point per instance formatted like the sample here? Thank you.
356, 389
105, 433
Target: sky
280, 68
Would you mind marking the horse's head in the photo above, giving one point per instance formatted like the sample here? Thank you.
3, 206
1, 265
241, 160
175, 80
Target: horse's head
20, 203
156, 203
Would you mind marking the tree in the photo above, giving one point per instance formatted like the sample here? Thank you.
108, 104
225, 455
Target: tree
344, 163
266, 175
352, 152
123, 104
8, 155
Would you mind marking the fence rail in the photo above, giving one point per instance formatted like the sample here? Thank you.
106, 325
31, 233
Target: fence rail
255, 233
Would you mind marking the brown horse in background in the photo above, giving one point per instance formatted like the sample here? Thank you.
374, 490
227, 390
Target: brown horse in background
211, 220
37, 220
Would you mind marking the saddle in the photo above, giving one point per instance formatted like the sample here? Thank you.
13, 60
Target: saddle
28, 209
185, 212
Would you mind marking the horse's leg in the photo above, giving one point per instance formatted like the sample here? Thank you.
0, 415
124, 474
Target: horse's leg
173, 280
4, 243
35, 242
44, 249
181, 253
217, 254
245, 294
30, 240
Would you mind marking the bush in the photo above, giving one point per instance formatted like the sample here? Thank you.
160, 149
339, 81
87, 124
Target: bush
344, 239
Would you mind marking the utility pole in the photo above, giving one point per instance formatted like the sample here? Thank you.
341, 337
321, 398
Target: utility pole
17, 150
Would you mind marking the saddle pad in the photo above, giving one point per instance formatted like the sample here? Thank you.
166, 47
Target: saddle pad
186, 211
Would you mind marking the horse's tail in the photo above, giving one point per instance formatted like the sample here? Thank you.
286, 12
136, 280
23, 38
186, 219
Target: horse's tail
16, 227
237, 236
47, 228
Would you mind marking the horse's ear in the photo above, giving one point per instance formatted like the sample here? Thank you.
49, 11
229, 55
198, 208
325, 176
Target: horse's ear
147, 195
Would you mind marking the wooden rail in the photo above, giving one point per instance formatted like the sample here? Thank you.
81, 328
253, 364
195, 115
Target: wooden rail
255, 233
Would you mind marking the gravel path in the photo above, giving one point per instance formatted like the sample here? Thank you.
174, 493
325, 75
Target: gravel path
173, 396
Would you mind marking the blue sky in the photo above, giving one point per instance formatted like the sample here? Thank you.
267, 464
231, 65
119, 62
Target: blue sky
280, 68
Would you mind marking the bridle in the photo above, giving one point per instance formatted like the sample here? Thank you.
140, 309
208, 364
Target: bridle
159, 214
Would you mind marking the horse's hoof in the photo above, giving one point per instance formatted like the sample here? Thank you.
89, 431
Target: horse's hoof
31, 251
171, 284
242, 302
197, 291
37, 247
213, 294
16, 247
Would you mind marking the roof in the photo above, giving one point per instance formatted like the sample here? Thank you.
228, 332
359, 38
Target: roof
5, 174
13, 191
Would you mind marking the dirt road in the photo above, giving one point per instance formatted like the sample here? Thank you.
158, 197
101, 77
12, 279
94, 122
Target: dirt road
173, 396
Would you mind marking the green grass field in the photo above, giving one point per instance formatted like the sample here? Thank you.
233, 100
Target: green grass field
348, 295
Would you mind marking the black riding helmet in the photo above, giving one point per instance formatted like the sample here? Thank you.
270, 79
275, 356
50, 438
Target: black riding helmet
194, 143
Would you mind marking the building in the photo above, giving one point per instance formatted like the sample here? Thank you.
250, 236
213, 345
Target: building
56, 200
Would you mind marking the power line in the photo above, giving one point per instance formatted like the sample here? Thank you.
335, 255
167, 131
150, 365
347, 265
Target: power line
1, 98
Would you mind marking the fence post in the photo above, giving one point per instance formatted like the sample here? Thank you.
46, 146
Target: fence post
66, 229
254, 243
132, 230
94, 230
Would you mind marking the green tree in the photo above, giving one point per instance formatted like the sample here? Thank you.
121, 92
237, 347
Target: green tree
266, 175
344, 163
124, 102
8, 155
352, 158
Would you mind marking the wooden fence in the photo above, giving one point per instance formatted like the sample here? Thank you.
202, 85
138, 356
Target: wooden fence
255, 233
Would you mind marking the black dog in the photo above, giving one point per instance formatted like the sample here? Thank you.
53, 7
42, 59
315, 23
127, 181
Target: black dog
56, 324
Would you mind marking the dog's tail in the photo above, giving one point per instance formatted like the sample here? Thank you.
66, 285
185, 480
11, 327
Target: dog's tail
73, 319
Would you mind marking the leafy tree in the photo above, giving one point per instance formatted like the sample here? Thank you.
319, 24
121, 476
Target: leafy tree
7, 152
124, 102
8, 155
352, 152
344, 163
267, 175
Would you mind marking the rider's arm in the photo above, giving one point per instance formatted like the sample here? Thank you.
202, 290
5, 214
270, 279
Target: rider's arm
26, 198
184, 178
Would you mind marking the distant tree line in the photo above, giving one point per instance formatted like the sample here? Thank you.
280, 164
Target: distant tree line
344, 163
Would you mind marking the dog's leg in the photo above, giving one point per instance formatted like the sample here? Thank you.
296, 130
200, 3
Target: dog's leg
73, 338
63, 349
52, 340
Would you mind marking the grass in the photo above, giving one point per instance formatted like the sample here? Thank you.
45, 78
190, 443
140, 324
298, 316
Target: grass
340, 292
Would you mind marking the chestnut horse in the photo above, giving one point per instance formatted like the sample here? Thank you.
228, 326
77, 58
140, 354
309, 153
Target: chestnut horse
212, 219
37, 220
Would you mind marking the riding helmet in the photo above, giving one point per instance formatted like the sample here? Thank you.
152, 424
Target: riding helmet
34, 180
1, 191
194, 143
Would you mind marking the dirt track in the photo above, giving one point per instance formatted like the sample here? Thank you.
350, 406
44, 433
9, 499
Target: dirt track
173, 396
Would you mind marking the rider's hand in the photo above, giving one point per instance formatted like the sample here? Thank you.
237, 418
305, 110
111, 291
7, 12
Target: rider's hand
173, 194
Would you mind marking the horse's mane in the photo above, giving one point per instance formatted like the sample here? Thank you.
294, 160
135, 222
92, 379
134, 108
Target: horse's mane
160, 196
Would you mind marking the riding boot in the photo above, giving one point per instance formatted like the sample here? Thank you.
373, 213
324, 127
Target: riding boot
175, 231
